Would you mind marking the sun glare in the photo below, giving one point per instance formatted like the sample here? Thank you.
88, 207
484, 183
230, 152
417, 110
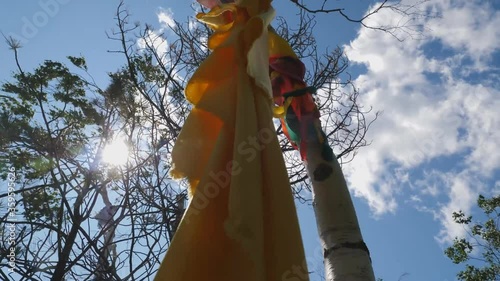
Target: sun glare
116, 152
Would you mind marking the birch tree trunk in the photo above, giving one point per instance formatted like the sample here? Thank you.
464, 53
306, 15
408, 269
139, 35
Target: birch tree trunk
346, 256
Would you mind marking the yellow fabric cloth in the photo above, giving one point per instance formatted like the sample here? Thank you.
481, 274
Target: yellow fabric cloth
241, 223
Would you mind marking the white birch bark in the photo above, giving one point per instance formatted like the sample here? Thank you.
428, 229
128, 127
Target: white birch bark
346, 256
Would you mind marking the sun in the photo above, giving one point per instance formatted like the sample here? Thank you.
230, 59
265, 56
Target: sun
116, 153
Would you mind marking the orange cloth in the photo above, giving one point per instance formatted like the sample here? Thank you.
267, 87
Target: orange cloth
241, 223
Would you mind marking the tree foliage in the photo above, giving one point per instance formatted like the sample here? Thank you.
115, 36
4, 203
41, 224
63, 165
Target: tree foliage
55, 126
480, 251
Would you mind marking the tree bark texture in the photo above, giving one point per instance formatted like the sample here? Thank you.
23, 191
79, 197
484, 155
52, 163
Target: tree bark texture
346, 255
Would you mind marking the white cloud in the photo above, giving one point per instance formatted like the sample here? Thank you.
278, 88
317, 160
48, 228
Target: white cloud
430, 110
193, 23
415, 198
166, 17
430, 184
471, 25
155, 40
463, 190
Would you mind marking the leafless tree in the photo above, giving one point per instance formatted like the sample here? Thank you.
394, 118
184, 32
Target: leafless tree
406, 15
55, 124
345, 119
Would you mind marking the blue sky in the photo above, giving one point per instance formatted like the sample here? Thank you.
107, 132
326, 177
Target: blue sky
433, 149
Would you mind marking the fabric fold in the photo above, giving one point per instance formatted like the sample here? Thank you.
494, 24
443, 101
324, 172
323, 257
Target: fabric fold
241, 222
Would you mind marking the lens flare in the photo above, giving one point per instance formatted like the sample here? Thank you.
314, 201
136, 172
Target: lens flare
116, 153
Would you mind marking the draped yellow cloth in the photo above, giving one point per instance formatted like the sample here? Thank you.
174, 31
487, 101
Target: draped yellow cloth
241, 223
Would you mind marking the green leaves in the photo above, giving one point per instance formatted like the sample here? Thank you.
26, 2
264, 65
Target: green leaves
460, 218
41, 204
460, 250
45, 123
488, 205
482, 247
472, 273
78, 62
